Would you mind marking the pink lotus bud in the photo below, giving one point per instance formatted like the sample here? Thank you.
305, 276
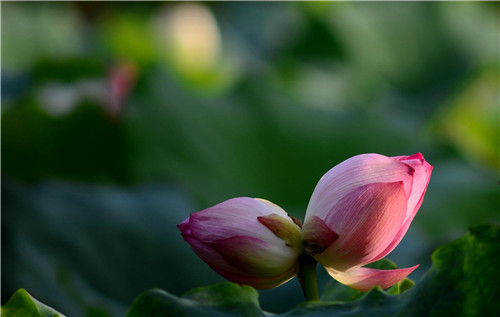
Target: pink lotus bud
247, 241
122, 79
359, 212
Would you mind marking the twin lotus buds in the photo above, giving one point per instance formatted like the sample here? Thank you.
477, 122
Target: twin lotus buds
358, 213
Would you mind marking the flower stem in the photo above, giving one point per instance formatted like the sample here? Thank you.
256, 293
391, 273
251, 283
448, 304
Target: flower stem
307, 277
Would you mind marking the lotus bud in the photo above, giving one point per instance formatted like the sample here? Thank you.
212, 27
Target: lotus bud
246, 240
359, 212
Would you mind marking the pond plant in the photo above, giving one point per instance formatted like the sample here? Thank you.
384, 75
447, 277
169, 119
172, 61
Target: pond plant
358, 213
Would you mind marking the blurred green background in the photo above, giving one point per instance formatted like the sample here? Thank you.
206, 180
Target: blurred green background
120, 119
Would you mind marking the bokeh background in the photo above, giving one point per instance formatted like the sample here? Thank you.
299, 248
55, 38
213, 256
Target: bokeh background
120, 119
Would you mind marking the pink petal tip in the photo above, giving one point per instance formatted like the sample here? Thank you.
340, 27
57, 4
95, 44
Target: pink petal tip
363, 278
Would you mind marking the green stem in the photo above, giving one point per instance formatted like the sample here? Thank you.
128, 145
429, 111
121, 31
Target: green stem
307, 277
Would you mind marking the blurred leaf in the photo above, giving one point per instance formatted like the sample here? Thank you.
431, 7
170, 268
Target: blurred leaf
86, 144
86, 248
402, 44
252, 143
68, 69
316, 41
39, 30
459, 194
127, 35
23, 304
470, 119
474, 29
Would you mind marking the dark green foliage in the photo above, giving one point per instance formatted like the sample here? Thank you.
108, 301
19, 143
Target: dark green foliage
464, 279
21, 304
225, 299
